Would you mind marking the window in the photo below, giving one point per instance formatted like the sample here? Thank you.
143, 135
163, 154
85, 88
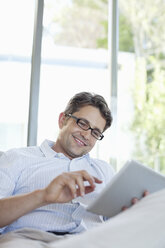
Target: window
72, 61
141, 94
16, 25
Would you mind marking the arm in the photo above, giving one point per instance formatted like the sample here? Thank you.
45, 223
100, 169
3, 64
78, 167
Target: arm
13, 207
61, 190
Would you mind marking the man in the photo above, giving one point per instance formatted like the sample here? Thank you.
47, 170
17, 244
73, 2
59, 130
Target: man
48, 187
44, 190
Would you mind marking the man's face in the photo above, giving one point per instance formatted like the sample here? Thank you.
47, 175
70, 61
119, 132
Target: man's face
72, 140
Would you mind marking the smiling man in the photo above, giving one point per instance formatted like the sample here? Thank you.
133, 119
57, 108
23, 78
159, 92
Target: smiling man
48, 187
77, 137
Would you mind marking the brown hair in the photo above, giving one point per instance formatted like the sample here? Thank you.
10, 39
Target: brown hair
86, 98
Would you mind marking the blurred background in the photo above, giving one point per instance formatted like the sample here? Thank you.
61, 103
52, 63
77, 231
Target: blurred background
77, 55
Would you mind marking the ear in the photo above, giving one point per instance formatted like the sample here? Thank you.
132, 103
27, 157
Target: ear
61, 120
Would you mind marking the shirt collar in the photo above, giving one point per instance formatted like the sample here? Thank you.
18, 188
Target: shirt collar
46, 148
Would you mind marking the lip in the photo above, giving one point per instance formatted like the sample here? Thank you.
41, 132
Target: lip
79, 141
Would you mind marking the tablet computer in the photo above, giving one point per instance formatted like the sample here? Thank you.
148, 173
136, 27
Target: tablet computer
131, 181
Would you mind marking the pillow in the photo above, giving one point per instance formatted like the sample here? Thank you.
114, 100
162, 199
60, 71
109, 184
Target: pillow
142, 226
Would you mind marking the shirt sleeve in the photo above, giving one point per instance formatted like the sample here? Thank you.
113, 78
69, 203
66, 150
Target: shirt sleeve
7, 176
7, 182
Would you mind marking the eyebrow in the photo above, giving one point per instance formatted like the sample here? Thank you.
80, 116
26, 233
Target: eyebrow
95, 128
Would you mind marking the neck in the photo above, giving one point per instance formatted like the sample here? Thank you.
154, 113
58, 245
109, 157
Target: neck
58, 149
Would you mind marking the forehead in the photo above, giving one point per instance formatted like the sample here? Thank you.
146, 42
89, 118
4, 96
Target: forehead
92, 115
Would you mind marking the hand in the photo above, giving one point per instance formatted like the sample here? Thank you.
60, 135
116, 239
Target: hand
69, 185
135, 200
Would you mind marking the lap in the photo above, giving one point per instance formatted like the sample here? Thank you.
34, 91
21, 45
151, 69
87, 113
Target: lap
29, 238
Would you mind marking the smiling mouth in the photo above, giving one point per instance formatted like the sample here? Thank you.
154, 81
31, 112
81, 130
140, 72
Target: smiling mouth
80, 142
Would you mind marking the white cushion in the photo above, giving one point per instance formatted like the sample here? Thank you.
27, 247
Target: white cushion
141, 226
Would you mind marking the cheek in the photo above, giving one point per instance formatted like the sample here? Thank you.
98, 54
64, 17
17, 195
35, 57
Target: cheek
66, 129
67, 132
64, 133
93, 142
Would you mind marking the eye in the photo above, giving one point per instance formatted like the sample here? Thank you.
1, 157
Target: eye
83, 124
96, 133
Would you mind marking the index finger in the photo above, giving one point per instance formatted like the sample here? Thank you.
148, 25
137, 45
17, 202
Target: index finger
91, 179
97, 180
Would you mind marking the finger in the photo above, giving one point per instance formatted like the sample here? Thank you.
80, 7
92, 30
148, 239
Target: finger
71, 184
85, 189
97, 180
88, 189
80, 185
134, 200
90, 179
145, 193
124, 208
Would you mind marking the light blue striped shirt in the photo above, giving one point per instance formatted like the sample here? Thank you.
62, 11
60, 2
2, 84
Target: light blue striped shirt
24, 170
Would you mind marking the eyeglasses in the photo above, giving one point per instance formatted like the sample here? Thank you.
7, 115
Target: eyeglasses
83, 124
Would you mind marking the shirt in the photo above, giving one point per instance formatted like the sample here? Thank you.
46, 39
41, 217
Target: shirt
23, 170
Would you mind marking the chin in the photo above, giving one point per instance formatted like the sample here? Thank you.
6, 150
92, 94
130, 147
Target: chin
77, 155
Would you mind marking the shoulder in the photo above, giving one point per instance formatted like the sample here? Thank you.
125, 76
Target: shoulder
23, 151
17, 156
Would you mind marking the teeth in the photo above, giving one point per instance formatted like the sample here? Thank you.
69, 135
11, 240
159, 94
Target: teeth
81, 143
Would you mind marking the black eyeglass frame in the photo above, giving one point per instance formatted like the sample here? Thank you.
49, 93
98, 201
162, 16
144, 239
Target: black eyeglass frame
89, 128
